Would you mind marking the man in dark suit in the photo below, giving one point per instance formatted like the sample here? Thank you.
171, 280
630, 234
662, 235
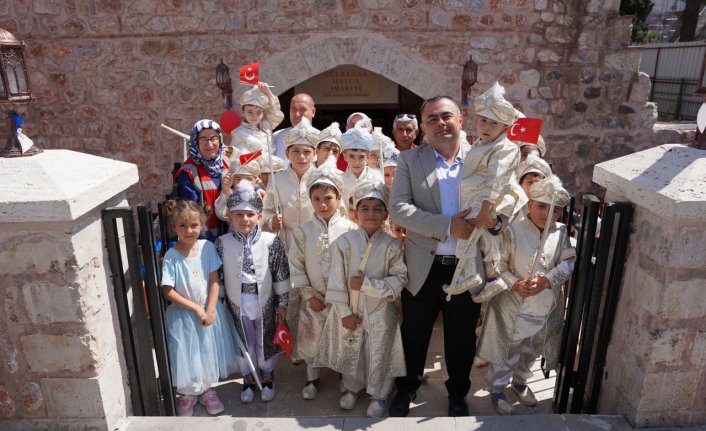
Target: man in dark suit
424, 200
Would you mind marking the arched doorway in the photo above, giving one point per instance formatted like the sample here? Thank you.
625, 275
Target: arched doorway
345, 89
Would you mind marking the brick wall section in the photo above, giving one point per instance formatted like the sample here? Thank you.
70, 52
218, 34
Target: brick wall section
106, 73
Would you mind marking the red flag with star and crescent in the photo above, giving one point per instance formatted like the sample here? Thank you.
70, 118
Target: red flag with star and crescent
250, 73
283, 338
525, 130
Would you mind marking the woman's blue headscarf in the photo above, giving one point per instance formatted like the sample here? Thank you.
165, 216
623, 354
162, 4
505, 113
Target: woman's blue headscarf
214, 167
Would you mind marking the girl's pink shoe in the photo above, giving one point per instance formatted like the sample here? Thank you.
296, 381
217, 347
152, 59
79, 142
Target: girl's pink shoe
185, 407
210, 400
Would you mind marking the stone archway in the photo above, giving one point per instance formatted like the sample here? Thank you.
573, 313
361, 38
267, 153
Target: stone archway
373, 52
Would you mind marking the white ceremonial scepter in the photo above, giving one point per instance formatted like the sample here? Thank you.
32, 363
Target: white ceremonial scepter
381, 162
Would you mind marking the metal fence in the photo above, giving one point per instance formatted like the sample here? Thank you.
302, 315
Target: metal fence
136, 274
591, 303
675, 98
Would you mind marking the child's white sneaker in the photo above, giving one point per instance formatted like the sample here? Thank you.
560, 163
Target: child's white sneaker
347, 401
480, 362
502, 406
310, 389
248, 393
376, 408
247, 396
268, 392
525, 394
268, 386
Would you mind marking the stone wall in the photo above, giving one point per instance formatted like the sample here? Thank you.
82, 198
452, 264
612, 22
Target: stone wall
106, 73
659, 367
61, 359
656, 364
57, 349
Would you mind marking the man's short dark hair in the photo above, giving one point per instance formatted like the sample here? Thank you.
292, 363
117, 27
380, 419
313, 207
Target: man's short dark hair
435, 99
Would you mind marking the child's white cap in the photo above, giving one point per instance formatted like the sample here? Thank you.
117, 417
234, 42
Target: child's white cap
325, 174
390, 154
255, 97
250, 168
533, 164
368, 189
302, 134
245, 198
330, 134
492, 104
540, 146
357, 138
367, 122
550, 188
266, 168
380, 140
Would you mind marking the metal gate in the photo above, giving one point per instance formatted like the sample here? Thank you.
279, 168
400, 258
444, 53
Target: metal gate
136, 284
591, 302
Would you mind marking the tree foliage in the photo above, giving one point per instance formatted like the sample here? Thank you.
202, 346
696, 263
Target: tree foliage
640, 9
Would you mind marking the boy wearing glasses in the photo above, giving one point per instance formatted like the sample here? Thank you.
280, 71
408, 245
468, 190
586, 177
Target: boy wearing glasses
405, 129
361, 337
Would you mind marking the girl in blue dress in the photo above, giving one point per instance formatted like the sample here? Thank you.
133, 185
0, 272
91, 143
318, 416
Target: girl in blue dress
201, 343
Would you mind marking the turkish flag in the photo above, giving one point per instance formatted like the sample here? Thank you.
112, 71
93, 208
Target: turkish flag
250, 73
283, 338
249, 157
525, 130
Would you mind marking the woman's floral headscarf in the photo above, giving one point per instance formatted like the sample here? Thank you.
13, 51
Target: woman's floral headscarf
214, 166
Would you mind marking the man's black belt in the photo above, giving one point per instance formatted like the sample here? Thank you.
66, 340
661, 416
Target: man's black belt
446, 260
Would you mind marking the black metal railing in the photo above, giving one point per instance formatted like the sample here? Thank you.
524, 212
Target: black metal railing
675, 98
140, 309
591, 303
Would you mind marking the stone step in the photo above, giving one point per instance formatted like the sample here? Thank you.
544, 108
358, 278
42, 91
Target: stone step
541, 422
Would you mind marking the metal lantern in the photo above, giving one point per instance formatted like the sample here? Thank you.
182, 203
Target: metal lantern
14, 90
468, 79
223, 82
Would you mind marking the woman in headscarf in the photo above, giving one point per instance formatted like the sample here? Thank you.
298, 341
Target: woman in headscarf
199, 178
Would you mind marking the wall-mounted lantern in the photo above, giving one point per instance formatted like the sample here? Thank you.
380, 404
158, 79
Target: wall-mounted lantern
223, 82
468, 79
14, 90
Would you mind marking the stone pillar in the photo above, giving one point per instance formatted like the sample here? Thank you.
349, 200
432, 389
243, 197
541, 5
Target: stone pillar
656, 365
60, 349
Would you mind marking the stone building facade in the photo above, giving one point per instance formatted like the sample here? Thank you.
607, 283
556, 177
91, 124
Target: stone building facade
106, 73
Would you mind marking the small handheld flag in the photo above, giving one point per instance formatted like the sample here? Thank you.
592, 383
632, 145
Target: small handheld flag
283, 338
249, 157
250, 73
525, 130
